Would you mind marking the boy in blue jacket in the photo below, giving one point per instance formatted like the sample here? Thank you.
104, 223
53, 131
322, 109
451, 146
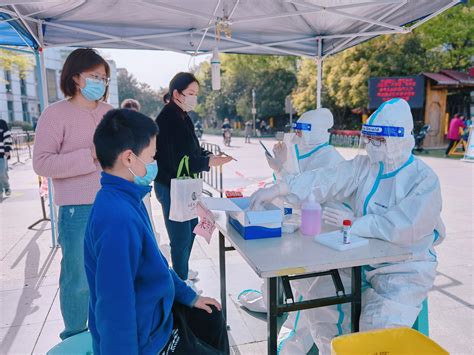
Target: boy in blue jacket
138, 305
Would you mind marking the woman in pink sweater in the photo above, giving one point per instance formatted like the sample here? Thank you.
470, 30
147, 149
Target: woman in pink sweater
454, 134
65, 152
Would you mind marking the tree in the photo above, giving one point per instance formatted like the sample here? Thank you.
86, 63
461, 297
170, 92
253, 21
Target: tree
451, 36
273, 78
10, 60
151, 101
445, 42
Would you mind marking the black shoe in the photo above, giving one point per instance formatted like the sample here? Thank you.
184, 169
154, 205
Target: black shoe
8, 192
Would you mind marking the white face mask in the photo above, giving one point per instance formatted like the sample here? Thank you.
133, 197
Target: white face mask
376, 154
189, 102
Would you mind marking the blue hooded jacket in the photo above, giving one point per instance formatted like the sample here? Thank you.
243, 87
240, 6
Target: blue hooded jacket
132, 288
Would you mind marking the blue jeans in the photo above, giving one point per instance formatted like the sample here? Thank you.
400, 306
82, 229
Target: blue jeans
180, 233
4, 185
73, 288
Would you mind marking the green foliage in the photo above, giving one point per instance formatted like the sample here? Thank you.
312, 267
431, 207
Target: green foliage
445, 42
151, 101
273, 78
10, 60
26, 126
451, 36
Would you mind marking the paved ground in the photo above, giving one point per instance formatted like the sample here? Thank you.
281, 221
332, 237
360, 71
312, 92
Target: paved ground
29, 268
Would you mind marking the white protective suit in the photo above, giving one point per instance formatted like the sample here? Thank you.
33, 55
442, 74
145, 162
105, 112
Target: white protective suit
313, 151
397, 198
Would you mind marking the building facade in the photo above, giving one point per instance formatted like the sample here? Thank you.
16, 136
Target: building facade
19, 98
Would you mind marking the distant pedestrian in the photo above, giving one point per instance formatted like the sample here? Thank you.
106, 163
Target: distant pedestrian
248, 131
5, 153
131, 104
453, 133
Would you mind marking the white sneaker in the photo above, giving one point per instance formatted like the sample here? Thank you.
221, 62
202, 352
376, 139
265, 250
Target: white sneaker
191, 284
252, 300
192, 274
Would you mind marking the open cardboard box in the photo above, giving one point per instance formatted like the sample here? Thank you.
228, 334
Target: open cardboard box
250, 224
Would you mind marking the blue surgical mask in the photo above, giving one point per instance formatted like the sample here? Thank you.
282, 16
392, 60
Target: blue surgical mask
151, 172
93, 90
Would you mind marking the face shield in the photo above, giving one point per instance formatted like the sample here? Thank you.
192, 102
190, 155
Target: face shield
381, 143
313, 127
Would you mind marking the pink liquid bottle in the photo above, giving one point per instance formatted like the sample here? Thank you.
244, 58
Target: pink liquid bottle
311, 217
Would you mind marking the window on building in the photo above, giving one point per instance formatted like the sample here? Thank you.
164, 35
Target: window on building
11, 113
8, 80
52, 85
26, 113
23, 86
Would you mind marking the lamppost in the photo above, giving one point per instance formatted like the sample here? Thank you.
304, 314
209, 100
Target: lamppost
254, 112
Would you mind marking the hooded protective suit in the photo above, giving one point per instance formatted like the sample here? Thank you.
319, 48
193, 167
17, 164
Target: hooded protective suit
313, 151
397, 198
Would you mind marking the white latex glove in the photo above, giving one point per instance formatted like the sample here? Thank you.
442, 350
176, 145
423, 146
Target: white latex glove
335, 217
262, 196
280, 152
273, 163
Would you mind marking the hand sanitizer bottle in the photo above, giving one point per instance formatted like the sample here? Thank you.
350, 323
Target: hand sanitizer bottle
311, 217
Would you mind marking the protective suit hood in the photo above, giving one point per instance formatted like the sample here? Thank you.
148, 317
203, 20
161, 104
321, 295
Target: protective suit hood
314, 125
394, 113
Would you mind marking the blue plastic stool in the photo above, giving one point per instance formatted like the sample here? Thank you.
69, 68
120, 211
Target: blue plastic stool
79, 344
422, 323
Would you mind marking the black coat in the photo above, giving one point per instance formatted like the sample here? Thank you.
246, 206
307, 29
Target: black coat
175, 140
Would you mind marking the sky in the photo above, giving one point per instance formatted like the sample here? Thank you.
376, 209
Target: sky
155, 68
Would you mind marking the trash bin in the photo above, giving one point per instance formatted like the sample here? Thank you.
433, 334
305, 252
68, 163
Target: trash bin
393, 341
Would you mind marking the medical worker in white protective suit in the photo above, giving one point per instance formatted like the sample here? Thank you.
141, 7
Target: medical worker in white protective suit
312, 151
397, 198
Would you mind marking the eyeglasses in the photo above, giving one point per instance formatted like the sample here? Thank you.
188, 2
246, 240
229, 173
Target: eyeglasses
96, 78
376, 141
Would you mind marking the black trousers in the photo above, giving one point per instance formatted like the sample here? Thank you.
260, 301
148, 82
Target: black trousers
451, 143
197, 332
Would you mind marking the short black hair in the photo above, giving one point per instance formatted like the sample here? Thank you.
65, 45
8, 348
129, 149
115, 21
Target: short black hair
120, 130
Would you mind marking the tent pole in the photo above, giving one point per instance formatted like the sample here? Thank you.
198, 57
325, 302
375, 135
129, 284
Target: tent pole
43, 98
319, 60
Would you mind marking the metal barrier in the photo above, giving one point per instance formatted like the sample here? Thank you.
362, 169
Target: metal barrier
343, 140
213, 177
22, 144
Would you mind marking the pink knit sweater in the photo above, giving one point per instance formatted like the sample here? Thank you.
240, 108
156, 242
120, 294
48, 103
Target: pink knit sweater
62, 151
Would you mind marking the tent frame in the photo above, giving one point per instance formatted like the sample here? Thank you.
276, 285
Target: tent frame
205, 32
242, 44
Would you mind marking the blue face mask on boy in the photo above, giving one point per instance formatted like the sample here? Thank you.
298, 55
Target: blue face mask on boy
151, 172
94, 89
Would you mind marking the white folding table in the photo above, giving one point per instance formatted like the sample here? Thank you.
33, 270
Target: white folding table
294, 256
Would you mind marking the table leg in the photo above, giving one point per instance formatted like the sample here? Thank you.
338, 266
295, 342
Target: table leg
222, 274
356, 297
272, 316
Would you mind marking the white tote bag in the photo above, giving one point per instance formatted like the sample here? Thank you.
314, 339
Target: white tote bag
185, 193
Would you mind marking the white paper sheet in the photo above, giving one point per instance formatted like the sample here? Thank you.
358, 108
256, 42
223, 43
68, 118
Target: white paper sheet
220, 204
334, 240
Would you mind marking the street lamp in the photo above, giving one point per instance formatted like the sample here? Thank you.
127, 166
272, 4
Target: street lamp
254, 112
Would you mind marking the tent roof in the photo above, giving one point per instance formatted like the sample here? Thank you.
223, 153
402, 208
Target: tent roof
13, 34
285, 27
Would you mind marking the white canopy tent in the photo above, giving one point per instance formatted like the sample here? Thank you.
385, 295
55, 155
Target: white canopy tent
308, 28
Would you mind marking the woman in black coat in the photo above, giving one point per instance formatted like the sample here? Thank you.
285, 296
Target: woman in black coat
177, 139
